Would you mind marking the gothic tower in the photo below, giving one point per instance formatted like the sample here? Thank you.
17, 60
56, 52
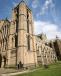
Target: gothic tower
21, 40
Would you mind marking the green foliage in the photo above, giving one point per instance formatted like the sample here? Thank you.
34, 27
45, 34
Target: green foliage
53, 70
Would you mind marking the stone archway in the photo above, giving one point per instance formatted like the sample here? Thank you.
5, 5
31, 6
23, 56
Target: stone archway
0, 60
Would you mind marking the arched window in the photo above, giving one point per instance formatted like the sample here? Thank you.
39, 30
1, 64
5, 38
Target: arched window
16, 40
28, 42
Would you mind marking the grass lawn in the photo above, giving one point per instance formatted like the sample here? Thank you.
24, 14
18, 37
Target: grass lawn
53, 70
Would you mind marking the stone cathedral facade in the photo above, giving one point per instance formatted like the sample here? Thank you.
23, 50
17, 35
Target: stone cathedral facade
18, 42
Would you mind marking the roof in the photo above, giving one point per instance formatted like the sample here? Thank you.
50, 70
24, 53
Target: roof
22, 2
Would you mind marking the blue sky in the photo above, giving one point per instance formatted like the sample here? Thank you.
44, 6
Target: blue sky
46, 14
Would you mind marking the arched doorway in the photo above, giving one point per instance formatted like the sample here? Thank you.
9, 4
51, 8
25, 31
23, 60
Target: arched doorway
0, 60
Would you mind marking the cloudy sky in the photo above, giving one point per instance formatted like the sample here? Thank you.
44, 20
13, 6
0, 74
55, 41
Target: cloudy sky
46, 13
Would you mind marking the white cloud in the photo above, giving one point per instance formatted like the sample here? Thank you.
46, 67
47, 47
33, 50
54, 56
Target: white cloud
35, 4
45, 7
51, 30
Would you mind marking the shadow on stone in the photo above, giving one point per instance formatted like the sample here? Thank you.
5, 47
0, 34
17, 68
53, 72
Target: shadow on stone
0, 60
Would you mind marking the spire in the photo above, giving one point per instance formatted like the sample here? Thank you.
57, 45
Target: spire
22, 1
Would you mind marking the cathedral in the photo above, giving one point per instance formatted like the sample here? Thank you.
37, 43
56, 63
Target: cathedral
18, 44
